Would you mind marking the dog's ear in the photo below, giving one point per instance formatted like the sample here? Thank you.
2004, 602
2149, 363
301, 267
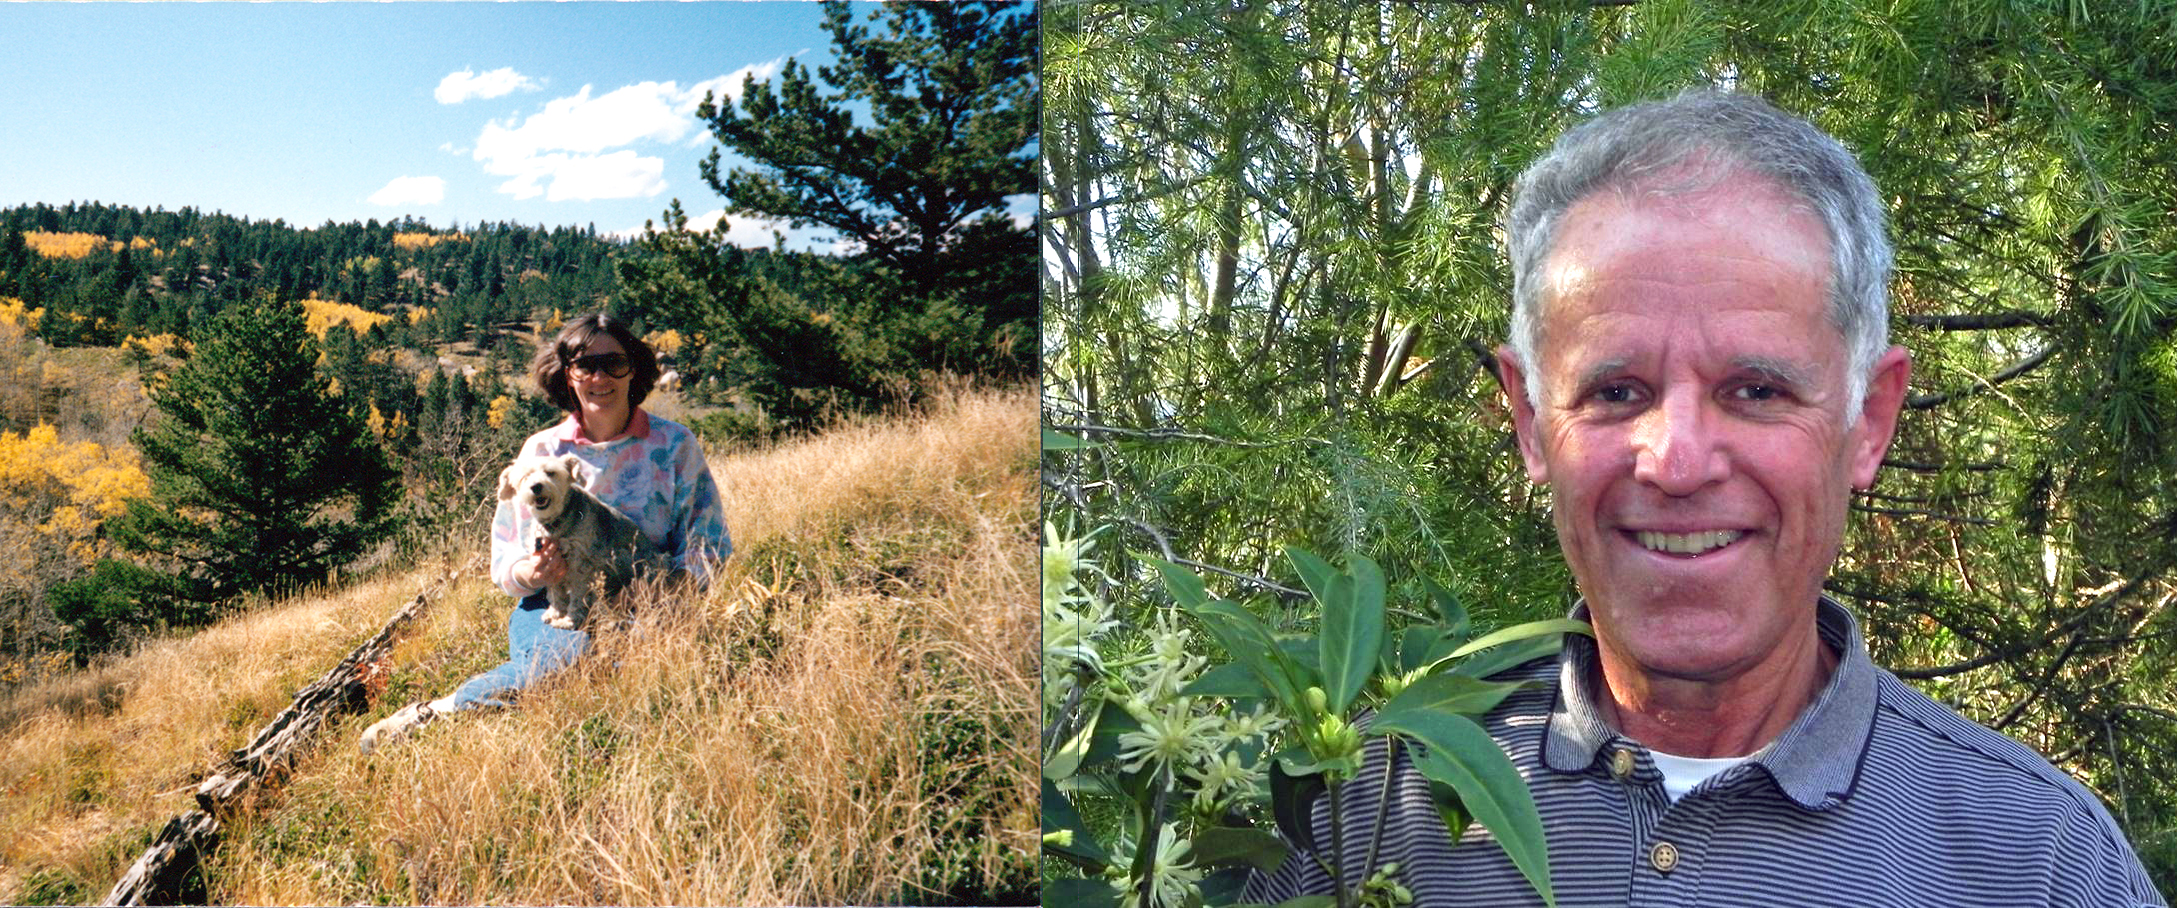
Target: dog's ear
506, 479
577, 471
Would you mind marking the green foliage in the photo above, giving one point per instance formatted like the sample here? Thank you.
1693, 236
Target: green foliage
943, 280
1274, 285
53, 887
949, 91
174, 269
116, 601
262, 479
1181, 747
787, 357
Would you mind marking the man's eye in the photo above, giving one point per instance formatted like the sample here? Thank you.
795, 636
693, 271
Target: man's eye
1619, 393
1758, 393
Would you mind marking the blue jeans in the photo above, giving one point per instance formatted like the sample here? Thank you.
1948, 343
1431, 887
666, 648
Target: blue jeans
534, 649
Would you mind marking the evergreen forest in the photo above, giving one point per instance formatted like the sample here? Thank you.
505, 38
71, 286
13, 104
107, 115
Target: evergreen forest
1273, 281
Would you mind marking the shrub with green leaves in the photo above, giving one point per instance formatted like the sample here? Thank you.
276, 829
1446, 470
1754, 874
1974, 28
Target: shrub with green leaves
1159, 762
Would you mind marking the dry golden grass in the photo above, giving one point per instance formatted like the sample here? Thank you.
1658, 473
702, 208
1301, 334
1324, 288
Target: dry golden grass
94, 762
845, 717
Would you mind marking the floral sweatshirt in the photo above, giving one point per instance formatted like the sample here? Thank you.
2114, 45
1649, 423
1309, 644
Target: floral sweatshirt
655, 474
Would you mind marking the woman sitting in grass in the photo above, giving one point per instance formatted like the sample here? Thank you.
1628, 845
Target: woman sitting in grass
650, 469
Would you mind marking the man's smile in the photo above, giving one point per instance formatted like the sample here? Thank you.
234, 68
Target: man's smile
1691, 544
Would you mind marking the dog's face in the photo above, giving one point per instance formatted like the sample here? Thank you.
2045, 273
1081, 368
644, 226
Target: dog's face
542, 483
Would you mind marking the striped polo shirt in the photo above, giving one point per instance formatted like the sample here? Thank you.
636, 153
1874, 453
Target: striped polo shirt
1875, 795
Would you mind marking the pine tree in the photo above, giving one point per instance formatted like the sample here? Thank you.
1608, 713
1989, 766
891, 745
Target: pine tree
261, 478
950, 95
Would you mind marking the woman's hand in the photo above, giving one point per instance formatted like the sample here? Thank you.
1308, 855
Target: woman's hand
542, 569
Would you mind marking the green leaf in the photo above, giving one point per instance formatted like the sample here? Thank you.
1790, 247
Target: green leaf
1060, 441
1446, 801
1185, 585
1352, 634
1422, 645
1221, 845
1112, 720
1059, 815
1248, 641
1223, 887
1067, 759
1309, 901
1231, 680
1292, 802
1460, 754
1315, 573
1305, 658
1522, 632
1151, 839
1482, 665
1077, 891
1448, 607
1448, 693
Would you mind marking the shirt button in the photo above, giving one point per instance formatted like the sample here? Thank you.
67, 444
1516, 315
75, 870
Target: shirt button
1621, 763
1664, 857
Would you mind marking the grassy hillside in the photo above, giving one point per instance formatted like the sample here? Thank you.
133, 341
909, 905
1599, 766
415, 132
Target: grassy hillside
844, 717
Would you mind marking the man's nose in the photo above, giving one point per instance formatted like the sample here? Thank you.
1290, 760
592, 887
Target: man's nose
1675, 447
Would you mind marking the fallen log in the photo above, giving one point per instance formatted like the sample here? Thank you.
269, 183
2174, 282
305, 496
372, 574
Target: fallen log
157, 875
268, 757
156, 878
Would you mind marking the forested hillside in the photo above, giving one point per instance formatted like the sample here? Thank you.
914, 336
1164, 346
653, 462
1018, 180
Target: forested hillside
101, 273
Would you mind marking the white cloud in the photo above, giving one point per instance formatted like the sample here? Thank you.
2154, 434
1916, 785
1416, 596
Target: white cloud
750, 232
619, 175
566, 150
411, 191
466, 84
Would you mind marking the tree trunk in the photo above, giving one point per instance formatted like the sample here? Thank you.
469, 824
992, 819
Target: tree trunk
157, 875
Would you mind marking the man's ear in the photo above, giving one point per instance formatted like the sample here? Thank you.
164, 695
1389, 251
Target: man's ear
1870, 437
1514, 379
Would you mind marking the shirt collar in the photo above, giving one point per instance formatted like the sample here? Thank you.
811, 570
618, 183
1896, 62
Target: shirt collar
570, 429
1814, 762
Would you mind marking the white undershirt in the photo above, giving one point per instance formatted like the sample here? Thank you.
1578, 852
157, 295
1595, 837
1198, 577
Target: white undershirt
1680, 774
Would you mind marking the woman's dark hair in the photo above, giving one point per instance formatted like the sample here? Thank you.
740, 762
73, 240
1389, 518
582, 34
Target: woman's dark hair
553, 358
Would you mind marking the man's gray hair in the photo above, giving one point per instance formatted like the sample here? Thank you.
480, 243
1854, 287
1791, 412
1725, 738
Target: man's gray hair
1716, 134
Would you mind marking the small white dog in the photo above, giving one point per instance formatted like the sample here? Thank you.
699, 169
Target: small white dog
595, 539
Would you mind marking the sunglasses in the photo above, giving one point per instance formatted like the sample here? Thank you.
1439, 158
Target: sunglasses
613, 364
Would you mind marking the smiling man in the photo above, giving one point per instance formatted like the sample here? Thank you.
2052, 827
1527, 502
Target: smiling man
1700, 371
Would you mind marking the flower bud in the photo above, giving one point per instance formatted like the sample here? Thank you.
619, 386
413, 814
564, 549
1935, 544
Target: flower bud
1317, 700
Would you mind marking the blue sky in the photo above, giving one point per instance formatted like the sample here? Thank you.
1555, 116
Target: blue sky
536, 113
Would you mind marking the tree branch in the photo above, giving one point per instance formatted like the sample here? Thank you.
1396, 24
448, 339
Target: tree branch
2071, 626
1122, 199
1935, 515
1181, 435
2015, 318
1919, 467
1164, 544
1926, 401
